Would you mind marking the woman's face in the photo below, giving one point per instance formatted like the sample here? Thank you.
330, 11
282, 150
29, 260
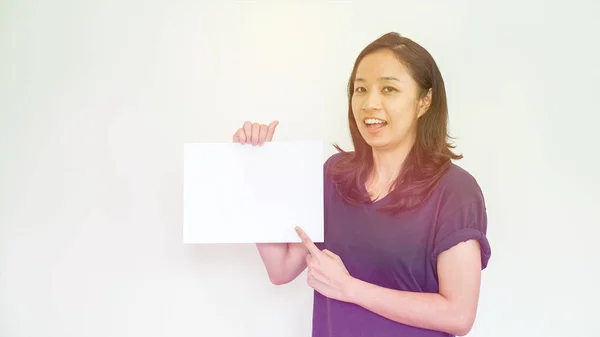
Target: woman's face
386, 102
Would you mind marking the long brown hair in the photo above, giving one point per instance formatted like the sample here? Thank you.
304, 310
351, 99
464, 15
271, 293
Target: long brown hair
431, 153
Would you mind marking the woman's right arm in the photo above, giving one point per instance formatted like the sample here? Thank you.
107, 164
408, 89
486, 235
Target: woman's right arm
283, 261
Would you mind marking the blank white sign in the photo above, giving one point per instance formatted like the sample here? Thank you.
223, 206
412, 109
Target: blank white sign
234, 193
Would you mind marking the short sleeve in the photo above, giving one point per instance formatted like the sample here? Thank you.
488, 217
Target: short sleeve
467, 222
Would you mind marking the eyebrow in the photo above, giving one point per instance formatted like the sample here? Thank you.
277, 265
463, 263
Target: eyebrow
384, 78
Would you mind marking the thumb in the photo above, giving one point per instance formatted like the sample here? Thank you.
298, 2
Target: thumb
271, 130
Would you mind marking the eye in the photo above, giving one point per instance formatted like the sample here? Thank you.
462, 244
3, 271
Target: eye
389, 89
359, 89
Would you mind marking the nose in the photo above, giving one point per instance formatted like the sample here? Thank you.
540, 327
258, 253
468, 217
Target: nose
372, 101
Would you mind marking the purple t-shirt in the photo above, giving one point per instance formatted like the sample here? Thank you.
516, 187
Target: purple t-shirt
397, 252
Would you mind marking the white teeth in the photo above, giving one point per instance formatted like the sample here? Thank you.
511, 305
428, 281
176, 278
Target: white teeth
370, 121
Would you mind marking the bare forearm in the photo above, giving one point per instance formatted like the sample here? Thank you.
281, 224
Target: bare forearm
423, 310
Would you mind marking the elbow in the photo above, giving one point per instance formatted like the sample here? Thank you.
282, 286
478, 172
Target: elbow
461, 331
277, 282
462, 325
278, 279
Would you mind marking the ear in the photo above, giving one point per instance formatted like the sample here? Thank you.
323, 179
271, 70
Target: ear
424, 103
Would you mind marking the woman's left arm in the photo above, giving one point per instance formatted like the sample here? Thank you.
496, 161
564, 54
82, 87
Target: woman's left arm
452, 310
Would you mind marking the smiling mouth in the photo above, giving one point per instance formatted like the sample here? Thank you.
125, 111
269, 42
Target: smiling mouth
374, 125
374, 122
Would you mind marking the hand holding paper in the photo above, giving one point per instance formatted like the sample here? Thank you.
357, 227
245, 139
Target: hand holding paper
254, 133
235, 193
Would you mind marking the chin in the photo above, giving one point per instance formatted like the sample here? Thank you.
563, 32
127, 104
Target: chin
376, 142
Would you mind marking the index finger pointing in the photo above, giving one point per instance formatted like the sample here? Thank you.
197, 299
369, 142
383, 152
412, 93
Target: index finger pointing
312, 248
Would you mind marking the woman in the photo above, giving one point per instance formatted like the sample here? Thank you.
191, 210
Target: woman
405, 228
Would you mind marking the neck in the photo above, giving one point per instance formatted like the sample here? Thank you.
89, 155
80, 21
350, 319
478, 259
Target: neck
388, 162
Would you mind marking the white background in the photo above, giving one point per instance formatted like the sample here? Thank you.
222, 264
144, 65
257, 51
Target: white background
97, 98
